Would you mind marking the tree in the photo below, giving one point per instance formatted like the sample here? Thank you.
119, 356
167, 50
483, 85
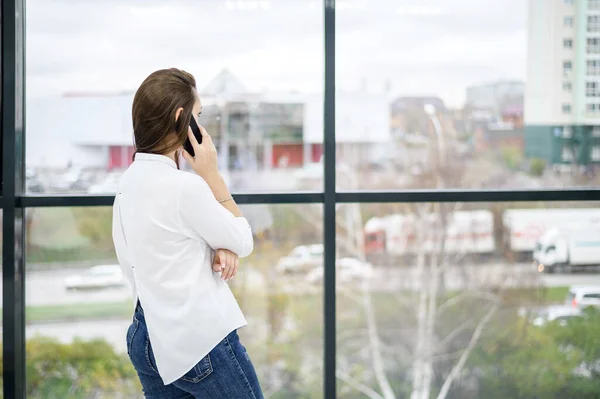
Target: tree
80, 370
522, 361
432, 353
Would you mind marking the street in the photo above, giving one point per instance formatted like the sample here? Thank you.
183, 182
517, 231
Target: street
45, 288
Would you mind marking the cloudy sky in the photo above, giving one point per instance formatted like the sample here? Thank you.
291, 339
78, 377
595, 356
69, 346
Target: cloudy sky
421, 47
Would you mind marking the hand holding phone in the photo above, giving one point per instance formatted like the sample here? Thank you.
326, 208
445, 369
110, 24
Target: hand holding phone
204, 161
196, 130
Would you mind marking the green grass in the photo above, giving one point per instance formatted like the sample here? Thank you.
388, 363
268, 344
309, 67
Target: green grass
555, 294
90, 311
83, 311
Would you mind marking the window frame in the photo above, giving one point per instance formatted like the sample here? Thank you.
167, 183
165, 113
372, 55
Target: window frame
15, 200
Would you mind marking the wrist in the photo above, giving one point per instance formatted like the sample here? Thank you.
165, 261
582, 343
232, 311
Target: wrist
218, 187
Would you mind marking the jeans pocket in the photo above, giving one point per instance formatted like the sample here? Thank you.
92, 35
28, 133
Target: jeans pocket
131, 334
199, 372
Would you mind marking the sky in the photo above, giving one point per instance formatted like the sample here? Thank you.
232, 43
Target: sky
416, 47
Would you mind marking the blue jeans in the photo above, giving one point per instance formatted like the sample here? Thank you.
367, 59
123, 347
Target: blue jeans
226, 372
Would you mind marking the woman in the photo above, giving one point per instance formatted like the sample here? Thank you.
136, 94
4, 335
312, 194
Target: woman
178, 237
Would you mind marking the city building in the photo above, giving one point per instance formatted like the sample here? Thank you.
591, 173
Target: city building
495, 96
409, 116
252, 131
562, 95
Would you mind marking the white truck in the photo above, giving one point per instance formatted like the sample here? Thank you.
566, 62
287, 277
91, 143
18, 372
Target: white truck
563, 249
467, 232
524, 227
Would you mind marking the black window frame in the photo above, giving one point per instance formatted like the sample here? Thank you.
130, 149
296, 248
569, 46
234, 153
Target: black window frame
15, 200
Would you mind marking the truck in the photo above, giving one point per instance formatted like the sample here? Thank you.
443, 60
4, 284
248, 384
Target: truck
565, 248
400, 235
522, 228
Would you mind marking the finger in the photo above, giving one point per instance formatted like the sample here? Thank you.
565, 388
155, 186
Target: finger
203, 132
230, 266
192, 138
225, 265
236, 264
216, 266
224, 273
206, 138
187, 156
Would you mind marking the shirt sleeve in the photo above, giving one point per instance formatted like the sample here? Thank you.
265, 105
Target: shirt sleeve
202, 217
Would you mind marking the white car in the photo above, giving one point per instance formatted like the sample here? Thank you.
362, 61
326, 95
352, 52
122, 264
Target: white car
109, 185
97, 277
581, 296
348, 269
560, 313
301, 258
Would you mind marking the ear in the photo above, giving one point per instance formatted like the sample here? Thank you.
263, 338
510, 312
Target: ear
178, 113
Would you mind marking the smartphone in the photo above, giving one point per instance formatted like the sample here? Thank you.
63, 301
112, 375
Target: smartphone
196, 130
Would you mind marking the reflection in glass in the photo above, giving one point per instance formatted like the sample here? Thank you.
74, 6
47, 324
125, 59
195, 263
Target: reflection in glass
79, 306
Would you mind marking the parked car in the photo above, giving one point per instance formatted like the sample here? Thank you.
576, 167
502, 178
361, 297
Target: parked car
32, 182
558, 313
109, 185
348, 269
581, 296
302, 258
97, 277
72, 179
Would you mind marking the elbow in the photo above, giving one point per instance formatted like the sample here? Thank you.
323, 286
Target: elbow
247, 245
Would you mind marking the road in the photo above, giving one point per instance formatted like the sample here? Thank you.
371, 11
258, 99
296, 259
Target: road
45, 288
113, 331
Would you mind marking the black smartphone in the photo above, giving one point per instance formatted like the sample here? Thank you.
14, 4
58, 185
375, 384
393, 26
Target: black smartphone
196, 130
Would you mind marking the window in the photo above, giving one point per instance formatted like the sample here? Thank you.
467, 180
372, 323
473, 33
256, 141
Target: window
593, 67
593, 23
566, 108
567, 67
592, 89
568, 2
593, 4
595, 131
270, 127
593, 108
567, 154
595, 154
568, 43
463, 238
75, 288
568, 22
567, 86
593, 45
567, 132
422, 147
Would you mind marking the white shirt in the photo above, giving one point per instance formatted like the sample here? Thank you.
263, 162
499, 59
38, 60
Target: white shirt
166, 226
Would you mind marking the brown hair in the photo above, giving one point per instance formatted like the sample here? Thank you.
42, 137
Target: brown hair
155, 104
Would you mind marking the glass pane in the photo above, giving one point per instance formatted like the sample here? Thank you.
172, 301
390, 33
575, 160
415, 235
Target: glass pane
463, 300
448, 94
77, 302
259, 71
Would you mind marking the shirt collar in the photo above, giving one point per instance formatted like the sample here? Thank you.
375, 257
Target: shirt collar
144, 156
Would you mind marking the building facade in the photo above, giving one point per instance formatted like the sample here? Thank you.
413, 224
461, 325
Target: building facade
252, 131
496, 96
562, 96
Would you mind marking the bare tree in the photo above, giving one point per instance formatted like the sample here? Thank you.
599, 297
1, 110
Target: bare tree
430, 349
